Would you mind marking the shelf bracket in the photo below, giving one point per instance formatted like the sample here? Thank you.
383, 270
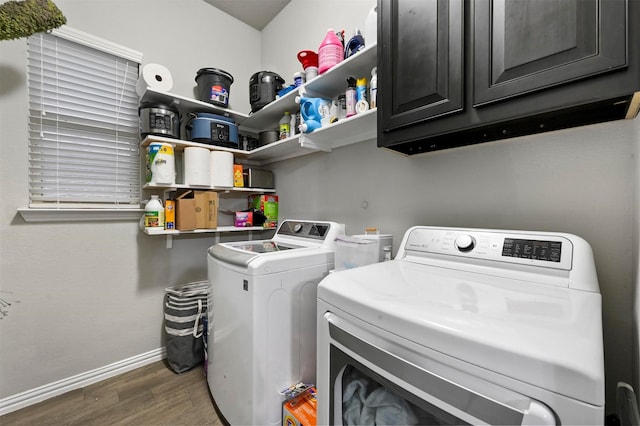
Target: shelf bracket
307, 142
169, 241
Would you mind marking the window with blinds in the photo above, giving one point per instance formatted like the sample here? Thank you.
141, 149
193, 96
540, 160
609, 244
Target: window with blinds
83, 122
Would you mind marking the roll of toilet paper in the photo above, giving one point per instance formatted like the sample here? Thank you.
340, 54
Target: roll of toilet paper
154, 76
222, 169
197, 169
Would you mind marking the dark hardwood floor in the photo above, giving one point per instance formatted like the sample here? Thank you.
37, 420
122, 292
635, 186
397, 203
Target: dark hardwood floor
150, 395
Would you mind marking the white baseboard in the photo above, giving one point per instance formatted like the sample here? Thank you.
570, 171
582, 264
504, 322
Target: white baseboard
33, 396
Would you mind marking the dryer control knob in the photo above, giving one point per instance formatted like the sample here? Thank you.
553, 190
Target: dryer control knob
465, 243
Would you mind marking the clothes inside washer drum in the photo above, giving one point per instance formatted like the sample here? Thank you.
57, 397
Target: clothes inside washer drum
365, 402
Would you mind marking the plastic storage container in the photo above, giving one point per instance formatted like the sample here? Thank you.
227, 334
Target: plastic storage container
383, 243
352, 252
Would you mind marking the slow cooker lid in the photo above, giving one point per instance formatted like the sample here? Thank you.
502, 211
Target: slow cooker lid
147, 105
214, 117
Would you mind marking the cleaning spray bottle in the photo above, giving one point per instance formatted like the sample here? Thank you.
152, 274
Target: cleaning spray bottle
330, 51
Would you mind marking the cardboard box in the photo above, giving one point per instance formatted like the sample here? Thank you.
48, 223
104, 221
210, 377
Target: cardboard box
301, 410
206, 209
213, 203
186, 211
268, 205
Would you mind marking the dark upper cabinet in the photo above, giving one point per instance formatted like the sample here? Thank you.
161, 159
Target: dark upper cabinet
524, 45
462, 72
424, 60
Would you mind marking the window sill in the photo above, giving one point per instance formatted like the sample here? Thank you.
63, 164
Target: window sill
79, 215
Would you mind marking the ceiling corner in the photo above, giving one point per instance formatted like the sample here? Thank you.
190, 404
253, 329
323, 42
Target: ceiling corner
255, 13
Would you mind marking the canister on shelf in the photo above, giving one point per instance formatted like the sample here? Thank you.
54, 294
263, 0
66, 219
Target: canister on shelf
361, 89
170, 214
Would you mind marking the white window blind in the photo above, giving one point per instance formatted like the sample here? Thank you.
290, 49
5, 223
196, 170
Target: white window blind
83, 123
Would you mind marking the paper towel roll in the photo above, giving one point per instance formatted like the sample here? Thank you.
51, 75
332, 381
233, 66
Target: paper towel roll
222, 169
161, 166
197, 166
154, 76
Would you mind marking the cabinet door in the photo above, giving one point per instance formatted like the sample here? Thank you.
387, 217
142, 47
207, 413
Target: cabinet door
420, 59
522, 46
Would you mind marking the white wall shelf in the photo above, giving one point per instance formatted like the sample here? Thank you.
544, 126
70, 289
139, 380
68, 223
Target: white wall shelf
358, 128
169, 233
187, 105
219, 229
225, 189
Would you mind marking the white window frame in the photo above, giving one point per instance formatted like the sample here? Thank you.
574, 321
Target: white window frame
46, 212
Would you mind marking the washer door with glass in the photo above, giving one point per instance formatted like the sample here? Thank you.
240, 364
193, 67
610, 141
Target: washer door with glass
371, 383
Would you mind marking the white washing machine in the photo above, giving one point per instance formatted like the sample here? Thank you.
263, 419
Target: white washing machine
464, 326
264, 318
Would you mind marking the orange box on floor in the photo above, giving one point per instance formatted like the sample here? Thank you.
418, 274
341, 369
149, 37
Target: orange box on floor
301, 410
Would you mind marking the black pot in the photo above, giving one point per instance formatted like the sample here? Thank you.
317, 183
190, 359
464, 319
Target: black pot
268, 136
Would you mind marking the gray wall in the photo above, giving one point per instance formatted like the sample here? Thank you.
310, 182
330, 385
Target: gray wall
581, 181
90, 294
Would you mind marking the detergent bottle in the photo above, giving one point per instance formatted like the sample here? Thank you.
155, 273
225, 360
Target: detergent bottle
330, 51
354, 45
315, 112
285, 126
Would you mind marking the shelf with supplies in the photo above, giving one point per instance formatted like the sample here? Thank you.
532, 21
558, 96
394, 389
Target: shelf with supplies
330, 84
219, 229
170, 233
188, 105
224, 189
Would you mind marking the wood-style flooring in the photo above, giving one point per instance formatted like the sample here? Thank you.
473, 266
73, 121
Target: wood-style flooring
151, 395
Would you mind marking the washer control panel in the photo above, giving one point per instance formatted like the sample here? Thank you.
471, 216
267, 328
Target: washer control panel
539, 249
304, 229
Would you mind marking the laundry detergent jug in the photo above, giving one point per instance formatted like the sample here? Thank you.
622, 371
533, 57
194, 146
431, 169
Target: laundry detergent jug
316, 113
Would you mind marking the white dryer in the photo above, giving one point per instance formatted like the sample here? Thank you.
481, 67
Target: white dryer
464, 326
264, 318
